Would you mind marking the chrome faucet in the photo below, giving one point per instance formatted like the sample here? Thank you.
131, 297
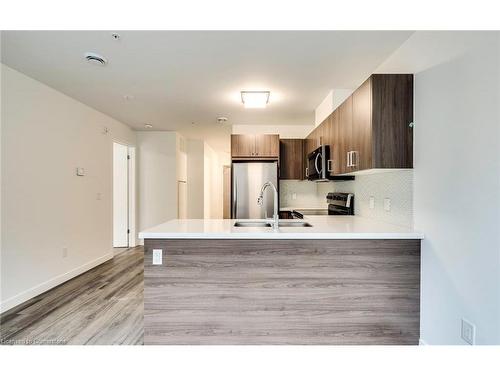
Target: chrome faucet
260, 200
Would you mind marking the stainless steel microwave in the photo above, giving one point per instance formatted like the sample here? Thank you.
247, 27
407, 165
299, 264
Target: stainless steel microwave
319, 164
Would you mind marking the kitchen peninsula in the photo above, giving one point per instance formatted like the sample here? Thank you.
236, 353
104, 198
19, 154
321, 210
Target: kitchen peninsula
341, 280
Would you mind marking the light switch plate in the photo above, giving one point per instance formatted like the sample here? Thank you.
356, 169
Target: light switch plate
294, 195
468, 332
372, 203
80, 171
387, 204
157, 256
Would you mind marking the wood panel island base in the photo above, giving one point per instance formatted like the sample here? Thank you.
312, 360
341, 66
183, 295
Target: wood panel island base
282, 291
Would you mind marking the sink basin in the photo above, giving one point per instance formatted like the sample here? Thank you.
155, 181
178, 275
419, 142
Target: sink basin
252, 224
262, 224
295, 224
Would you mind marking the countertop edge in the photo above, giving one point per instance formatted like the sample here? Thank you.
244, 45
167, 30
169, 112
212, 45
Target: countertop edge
285, 236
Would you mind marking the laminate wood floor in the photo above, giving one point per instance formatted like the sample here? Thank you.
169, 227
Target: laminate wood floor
102, 306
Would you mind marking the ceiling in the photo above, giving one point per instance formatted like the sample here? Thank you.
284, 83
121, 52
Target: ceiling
184, 80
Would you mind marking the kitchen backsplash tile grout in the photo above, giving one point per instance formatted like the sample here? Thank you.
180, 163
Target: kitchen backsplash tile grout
395, 185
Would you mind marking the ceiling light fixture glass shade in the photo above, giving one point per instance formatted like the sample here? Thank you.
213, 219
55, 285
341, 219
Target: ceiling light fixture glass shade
255, 99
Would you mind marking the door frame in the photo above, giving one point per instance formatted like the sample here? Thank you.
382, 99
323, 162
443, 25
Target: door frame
131, 192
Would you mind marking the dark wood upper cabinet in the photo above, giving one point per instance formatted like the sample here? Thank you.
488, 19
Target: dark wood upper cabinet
291, 159
242, 145
345, 141
255, 146
333, 139
371, 128
267, 145
392, 114
361, 145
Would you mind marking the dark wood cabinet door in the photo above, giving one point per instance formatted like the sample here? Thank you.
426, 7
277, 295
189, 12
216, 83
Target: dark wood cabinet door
291, 159
334, 142
310, 144
321, 131
392, 102
242, 145
345, 134
267, 146
362, 127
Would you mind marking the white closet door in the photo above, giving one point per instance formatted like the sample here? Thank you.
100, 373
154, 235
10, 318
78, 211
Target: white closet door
120, 195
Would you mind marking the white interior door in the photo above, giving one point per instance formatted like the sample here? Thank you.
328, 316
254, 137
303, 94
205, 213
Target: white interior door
120, 195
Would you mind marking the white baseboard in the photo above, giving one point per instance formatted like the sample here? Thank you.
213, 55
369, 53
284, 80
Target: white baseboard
422, 342
49, 284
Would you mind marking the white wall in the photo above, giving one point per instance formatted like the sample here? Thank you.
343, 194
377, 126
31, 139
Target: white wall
46, 207
457, 179
205, 180
195, 178
213, 183
285, 131
157, 158
120, 195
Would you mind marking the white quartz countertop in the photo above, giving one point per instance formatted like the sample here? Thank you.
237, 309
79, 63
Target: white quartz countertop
323, 227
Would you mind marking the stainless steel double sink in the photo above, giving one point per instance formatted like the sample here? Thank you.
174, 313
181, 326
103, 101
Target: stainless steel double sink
263, 224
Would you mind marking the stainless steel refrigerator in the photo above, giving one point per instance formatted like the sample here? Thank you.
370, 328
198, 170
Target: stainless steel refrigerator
247, 180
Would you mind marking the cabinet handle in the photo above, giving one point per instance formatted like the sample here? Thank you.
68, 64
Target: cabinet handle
330, 165
307, 172
348, 159
355, 154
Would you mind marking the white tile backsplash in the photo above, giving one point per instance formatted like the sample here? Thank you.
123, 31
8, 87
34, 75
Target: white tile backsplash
395, 185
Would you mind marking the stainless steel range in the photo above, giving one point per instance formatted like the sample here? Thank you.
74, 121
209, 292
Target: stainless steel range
340, 203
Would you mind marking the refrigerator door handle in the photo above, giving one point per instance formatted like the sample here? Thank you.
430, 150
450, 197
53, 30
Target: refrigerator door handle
235, 194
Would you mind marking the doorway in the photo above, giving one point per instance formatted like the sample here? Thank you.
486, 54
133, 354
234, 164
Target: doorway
123, 196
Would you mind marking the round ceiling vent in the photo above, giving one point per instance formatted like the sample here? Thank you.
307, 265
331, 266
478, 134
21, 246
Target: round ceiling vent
222, 120
95, 59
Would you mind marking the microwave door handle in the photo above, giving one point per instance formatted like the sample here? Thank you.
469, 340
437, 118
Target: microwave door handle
316, 164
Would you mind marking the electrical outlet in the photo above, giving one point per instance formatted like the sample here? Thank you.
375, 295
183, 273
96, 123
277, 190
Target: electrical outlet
65, 252
468, 333
387, 204
372, 203
157, 256
294, 195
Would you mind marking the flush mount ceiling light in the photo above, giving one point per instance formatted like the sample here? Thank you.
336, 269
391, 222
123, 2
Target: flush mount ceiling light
148, 126
255, 99
95, 59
